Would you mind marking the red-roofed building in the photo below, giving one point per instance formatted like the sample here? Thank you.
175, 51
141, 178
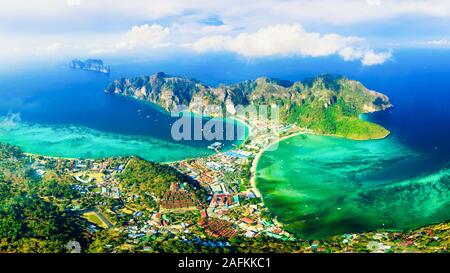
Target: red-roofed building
204, 214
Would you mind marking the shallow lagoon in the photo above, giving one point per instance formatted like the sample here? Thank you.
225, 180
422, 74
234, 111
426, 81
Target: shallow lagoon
65, 113
325, 186
70, 141
417, 82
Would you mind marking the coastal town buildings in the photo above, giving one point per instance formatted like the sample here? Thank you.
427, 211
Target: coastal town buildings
233, 206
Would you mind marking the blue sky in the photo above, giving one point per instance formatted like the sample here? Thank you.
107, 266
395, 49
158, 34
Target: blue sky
364, 31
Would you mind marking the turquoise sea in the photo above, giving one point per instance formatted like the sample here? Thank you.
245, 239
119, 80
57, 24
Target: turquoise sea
322, 186
317, 186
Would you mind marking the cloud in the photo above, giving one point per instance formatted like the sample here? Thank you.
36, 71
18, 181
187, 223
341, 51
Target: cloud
52, 47
251, 13
373, 58
217, 29
72, 3
283, 40
368, 57
145, 36
149, 39
383, 22
374, 2
440, 42
139, 38
43, 48
436, 43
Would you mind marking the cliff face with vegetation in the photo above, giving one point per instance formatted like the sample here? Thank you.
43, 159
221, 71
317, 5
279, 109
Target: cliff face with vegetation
90, 65
327, 104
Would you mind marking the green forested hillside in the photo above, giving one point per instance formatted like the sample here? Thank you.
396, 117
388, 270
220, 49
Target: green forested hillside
154, 179
28, 222
327, 104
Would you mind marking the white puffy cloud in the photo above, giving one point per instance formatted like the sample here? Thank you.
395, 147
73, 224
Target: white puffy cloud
367, 57
144, 36
373, 58
282, 40
276, 40
25, 48
138, 38
351, 54
100, 26
250, 12
217, 29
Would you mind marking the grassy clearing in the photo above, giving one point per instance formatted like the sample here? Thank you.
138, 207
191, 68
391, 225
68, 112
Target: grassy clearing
94, 218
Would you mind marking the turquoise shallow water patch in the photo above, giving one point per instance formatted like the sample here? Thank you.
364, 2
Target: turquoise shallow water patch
81, 142
325, 186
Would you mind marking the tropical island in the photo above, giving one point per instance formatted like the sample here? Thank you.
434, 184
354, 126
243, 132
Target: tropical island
95, 65
208, 204
327, 104
131, 205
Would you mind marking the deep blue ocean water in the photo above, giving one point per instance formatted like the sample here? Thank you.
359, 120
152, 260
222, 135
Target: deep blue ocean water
417, 82
52, 110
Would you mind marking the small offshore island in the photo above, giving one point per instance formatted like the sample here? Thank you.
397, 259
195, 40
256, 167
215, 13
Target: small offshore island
95, 65
206, 204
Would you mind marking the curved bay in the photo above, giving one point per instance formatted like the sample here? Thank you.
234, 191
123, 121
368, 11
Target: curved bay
325, 186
